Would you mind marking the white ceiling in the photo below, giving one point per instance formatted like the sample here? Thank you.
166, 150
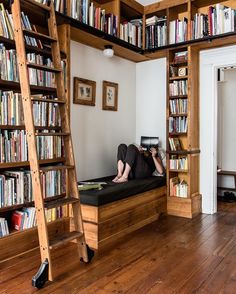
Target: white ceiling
146, 2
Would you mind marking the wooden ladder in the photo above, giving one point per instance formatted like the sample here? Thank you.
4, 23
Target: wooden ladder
72, 195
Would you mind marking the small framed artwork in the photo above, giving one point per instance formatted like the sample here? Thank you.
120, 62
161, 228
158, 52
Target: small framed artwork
182, 71
110, 96
84, 92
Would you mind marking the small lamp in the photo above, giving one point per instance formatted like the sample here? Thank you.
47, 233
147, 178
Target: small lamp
108, 51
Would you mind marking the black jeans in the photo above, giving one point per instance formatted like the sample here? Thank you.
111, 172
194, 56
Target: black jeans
135, 159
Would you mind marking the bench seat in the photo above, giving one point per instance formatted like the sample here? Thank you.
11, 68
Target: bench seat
118, 209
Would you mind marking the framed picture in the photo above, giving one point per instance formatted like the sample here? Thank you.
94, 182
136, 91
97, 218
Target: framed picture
110, 96
84, 92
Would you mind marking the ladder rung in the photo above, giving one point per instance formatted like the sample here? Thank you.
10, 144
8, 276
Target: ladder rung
55, 167
52, 134
42, 6
43, 67
40, 36
63, 239
60, 202
48, 100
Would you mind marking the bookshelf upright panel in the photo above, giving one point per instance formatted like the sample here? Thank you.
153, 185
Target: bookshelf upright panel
183, 133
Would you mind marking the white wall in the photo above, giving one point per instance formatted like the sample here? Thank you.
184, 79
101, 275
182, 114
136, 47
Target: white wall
151, 99
96, 132
210, 60
147, 2
227, 120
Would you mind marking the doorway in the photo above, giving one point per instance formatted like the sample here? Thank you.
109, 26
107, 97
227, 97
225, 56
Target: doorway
226, 137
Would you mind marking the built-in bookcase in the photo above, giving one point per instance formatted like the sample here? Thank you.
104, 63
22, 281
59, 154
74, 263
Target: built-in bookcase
183, 133
17, 211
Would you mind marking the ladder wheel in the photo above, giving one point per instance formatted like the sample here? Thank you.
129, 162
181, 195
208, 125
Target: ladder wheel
41, 277
90, 253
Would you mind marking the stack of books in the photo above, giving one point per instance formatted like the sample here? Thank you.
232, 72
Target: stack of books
156, 32
175, 144
131, 32
219, 20
13, 146
15, 188
178, 31
8, 64
40, 77
178, 163
178, 124
178, 188
177, 88
6, 27
87, 12
178, 106
11, 110
181, 57
4, 230
46, 114
53, 183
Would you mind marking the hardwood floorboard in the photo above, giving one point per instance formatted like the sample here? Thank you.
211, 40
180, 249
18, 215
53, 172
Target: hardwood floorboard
172, 255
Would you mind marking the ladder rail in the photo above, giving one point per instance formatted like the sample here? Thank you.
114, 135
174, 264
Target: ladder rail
30, 131
73, 188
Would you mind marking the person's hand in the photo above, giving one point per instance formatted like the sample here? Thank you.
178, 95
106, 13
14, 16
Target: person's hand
153, 151
140, 149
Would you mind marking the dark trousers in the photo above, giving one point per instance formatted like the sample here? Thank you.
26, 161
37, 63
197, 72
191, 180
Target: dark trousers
135, 159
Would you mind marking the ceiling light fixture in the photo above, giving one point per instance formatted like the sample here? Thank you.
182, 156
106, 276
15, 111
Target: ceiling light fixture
108, 51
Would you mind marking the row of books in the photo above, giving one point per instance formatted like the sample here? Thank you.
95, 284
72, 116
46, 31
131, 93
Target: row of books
156, 32
59, 5
175, 144
16, 186
6, 28
49, 147
178, 106
13, 146
131, 32
86, 12
46, 114
4, 231
53, 183
178, 163
26, 218
178, 31
8, 64
40, 77
178, 188
177, 88
178, 124
11, 110
219, 20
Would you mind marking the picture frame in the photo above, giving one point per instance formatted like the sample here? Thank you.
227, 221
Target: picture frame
110, 96
84, 92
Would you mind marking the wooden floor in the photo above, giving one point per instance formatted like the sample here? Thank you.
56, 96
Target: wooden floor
173, 255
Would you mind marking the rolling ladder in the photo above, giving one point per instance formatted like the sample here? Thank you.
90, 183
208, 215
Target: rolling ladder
72, 195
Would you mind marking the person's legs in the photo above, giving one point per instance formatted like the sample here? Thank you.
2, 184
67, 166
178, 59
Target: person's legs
121, 155
135, 165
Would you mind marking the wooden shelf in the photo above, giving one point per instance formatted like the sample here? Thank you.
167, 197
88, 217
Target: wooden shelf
10, 165
178, 170
178, 115
34, 89
177, 134
183, 152
178, 78
12, 127
179, 97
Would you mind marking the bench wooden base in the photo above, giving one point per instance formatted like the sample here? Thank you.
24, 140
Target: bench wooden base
109, 222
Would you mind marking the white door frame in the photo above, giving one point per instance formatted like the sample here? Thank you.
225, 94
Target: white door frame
210, 61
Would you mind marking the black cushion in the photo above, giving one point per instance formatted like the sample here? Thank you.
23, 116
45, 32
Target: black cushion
113, 192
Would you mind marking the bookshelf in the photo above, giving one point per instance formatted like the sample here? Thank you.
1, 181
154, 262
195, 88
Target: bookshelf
14, 171
183, 198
